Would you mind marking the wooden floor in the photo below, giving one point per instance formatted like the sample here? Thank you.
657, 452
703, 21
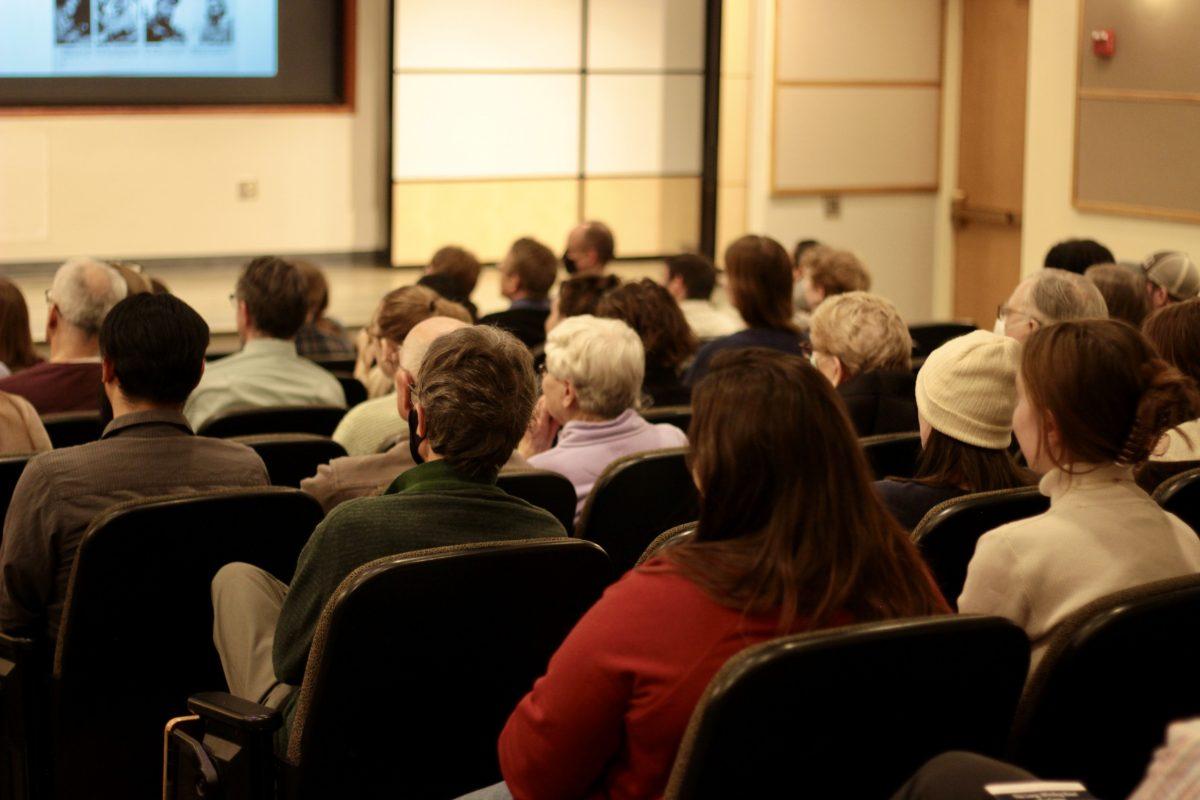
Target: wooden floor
355, 290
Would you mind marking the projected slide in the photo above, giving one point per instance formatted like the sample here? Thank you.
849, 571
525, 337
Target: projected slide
138, 38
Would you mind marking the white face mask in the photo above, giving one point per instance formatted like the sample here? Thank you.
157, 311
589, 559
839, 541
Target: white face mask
998, 328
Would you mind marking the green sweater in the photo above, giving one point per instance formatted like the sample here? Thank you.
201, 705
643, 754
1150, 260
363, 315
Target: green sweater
428, 506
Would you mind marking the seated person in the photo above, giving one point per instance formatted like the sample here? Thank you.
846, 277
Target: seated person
1076, 255
82, 293
577, 296
1171, 277
370, 425
786, 543
16, 340
453, 273
590, 246
823, 272
1124, 291
1174, 330
21, 429
669, 343
591, 390
691, 280
1047, 297
152, 348
469, 408
320, 337
271, 307
863, 346
966, 392
527, 273
1093, 399
759, 273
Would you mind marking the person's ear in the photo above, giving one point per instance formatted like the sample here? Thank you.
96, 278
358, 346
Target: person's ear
421, 432
108, 372
1052, 436
243, 315
52, 319
570, 396
837, 371
403, 392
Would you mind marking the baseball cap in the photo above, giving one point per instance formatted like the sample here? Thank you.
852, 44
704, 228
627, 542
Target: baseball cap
1175, 272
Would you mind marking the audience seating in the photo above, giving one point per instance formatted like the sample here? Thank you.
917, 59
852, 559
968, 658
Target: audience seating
892, 454
635, 499
352, 387
1181, 496
544, 489
319, 420
665, 539
417, 662
679, 416
947, 534
853, 711
136, 634
292, 457
929, 336
1153, 474
336, 365
11, 468
1114, 675
71, 428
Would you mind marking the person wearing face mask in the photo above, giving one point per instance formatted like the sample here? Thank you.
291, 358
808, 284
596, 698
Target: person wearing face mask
1046, 297
590, 246
468, 403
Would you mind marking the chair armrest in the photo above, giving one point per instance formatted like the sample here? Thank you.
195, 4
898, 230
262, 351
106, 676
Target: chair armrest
226, 750
242, 715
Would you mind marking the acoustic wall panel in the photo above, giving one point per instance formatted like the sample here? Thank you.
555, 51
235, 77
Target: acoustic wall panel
653, 215
487, 34
485, 125
645, 35
732, 145
859, 40
644, 124
1156, 46
883, 139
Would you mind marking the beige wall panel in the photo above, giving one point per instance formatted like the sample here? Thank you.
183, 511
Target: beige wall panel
486, 34
25, 188
484, 217
867, 40
476, 126
648, 216
1156, 45
866, 138
644, 124
731, 217
736, 35
734, 128
646, 34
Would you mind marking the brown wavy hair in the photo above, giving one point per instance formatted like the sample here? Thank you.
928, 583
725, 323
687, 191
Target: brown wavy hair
760, 278
1174, 330
789, 521
650, 310
581, 295
401, 309
1133, 396
16, 340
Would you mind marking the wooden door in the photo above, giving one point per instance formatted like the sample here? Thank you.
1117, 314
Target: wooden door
991, 157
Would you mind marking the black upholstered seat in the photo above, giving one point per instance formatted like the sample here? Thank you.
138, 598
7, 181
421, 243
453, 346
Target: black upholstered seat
665, 539
352, 387
679, 416
70, 428
544, 489
1181, 496
319, 420
11, 468
892, 454
292, 457
929, 336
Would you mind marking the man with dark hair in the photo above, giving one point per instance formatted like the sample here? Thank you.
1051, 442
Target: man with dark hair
1076, 255
527, 274
453, 272
272, 304
468, 407
590, 246
152, 355
320, 337
691, 280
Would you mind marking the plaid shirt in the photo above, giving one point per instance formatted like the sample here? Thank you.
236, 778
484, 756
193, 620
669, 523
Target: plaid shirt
324, 340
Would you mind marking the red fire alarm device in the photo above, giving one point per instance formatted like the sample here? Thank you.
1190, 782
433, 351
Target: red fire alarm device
1104, 43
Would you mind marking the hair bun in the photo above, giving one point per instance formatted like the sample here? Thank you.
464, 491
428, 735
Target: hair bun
1170, 399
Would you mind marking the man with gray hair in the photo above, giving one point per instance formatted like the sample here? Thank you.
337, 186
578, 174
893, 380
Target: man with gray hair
1046, 297
467, 408
83, 292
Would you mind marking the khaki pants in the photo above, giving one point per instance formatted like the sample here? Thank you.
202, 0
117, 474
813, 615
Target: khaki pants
246, 604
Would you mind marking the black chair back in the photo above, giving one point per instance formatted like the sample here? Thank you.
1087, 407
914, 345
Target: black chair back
318, 420
419, 659
544, 489
947, 535
1153, 474
336, 364
929, 336
892, 454
1113, 676
352, 387
679, 416
292, 457
635, 499
665, 539
851, 712
70, 428
1181, 496
136, 634
11, 468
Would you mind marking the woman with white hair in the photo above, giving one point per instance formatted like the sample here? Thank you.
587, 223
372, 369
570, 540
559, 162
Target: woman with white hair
591, 387
861, 344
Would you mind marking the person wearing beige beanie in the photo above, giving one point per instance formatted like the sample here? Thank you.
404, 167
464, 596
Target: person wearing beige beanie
966, 392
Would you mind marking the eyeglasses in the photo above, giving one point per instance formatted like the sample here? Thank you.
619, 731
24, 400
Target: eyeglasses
233, 299
806, 349
1003, 311
49, 299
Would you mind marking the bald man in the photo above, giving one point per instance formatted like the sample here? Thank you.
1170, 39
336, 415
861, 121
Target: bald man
357, 476
590, 247
83, 292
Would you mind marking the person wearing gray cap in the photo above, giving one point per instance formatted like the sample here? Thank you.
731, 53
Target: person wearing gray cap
1171, 276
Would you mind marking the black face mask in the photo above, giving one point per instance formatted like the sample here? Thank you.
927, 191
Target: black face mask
569, 263
414, 439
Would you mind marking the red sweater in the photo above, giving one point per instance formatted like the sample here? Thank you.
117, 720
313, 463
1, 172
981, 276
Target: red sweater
607, 717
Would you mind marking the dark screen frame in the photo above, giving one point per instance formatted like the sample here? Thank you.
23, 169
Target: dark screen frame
329, 86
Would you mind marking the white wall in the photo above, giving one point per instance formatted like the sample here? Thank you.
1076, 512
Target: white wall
1049, 153
165, 185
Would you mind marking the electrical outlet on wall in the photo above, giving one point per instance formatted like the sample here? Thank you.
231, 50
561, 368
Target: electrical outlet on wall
247, 189
833, 206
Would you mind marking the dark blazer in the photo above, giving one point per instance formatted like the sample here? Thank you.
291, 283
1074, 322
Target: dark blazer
881, 401
527, 324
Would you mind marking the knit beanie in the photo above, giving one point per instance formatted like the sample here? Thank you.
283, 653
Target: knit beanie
967, 389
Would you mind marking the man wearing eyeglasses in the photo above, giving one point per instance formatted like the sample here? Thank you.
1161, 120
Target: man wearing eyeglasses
1047, 297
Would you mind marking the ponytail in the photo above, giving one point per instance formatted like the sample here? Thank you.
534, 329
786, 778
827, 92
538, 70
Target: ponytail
1170, 399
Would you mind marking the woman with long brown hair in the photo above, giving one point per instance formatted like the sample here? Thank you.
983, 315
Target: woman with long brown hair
791, 538
759, 275
652, 312
16, 340
1174, 330
1093, 400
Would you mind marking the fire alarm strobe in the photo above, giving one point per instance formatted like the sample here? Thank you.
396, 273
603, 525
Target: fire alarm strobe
1104, 43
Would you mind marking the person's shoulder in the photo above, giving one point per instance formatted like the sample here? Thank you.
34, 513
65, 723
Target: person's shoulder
670, 435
